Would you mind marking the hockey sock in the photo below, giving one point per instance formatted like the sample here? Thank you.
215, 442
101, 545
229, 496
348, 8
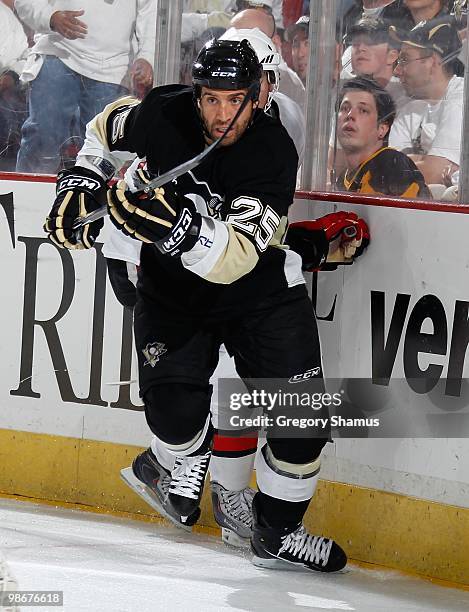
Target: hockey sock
164, 457
278, 513
233, 460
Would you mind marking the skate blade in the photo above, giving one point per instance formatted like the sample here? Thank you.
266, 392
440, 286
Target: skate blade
149, 497
231, 538
290, 566
279, 564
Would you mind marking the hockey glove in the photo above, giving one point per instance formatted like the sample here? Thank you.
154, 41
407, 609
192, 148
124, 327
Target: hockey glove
337, 238
79, 191
162, 217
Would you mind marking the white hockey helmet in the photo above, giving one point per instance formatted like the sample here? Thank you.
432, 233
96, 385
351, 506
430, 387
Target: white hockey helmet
265, 51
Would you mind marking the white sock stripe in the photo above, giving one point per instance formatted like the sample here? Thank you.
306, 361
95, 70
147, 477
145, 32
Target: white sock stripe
188, 448
282, 486
291, 470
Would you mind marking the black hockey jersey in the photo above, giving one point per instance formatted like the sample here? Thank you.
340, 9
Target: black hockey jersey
386, 172
244, 189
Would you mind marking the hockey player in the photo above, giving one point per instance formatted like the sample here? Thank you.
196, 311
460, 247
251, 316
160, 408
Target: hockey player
213, 270
232, 457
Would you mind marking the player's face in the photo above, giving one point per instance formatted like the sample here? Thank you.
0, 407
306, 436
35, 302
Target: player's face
414, 69
217, 109
357, 123
370, 59
300, 54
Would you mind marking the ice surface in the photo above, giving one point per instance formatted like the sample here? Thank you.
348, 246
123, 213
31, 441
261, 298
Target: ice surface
110, 564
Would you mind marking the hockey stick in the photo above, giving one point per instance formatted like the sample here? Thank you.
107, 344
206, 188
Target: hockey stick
178, 170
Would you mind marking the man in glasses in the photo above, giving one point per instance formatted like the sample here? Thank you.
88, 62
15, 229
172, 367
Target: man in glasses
428, 127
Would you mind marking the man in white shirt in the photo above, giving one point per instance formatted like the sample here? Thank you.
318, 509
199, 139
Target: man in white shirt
428, 128
84, 50
13, 43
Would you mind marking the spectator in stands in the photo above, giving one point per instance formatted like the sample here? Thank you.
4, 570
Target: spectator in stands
428, 128
85, 55
13, 50
374, 54
290, 83
424, 10
366, 114
298, 35
271, 7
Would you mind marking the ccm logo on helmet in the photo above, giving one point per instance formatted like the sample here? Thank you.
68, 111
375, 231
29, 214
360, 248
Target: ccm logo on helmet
222, 73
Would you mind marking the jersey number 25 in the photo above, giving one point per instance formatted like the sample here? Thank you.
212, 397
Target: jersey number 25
249, 209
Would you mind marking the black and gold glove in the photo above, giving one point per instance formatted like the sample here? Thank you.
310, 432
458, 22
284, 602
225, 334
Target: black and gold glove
79, 192
162, 217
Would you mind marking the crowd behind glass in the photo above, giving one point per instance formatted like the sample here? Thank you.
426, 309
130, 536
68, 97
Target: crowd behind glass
398, 80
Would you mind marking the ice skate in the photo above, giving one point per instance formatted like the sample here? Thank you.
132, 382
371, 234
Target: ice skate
294, 549
7, 583
187, 484
149, 479
233, 512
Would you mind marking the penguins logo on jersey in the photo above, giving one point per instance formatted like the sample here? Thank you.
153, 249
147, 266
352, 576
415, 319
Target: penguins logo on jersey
206, 201
152, 352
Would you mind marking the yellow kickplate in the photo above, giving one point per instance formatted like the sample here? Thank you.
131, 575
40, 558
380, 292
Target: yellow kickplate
377, 527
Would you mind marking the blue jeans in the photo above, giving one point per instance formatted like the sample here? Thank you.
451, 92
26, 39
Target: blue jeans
61, 103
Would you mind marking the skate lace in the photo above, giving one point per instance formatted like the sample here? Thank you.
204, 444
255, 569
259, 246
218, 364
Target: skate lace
238, 504
306, 546
188, 475
165, 481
